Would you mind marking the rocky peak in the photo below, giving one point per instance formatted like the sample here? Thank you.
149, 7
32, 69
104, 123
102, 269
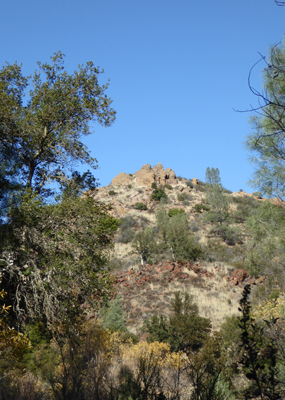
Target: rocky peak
146, 176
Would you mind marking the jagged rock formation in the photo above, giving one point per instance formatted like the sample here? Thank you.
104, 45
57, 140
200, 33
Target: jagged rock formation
146, 176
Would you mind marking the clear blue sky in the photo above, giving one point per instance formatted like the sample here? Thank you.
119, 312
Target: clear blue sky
177, 70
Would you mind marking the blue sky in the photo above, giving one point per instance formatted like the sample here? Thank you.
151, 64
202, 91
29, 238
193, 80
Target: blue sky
177, 69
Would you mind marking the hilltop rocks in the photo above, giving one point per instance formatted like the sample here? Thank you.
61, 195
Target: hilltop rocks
122, 179
146, 176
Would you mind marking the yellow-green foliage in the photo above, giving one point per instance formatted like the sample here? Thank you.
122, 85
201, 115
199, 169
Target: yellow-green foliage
270, 309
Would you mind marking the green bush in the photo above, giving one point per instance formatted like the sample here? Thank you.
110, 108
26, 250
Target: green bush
199, 207
158, 194
126, 236
183, 196
113, 316
167, 186
189, 183
175, 211
229, 234
140, 206
154, 185
112, 193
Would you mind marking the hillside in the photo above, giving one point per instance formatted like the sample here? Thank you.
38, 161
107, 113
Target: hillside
215, 280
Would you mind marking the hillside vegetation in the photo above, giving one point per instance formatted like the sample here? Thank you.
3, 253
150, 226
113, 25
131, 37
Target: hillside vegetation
154, 287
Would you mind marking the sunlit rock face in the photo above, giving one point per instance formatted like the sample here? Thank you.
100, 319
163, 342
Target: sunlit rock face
146, 176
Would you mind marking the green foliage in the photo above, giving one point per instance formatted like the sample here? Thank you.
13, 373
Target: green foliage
189, 183
176, 237
183, 196
126, 233
260, 354
229, 234
175, 211
184, 330
113, 316
55, 253
266, 225
154, 185
112, 193
145, 244
42, 134
266, 142
215, 197
200, 207
168, 186
158, 194
213, 176
140, 206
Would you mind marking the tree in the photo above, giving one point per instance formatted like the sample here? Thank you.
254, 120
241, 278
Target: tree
53, 257
184, 330
113, 315
266, 142
260, 355
42, 135
144, 244
213, 176
176, 237
216, 197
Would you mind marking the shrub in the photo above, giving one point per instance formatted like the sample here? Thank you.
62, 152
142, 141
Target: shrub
199, 207
175, 211
158, 194
257, 194
179, 178
183, 196
189, 183
126, 232
167, 186
154, 185
113, 316
229, 234
140, 206
112, 193
126, 236
127, 222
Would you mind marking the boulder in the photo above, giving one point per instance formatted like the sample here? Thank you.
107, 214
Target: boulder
122, 179
147, 175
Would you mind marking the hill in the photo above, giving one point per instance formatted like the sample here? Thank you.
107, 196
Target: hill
215, 279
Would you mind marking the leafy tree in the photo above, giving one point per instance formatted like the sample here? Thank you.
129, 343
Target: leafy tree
43, 134
216, 197
204, 370
113, 316
184, 330
266, 255
144, 244
266, 142
176, 236
213, 176
52, 256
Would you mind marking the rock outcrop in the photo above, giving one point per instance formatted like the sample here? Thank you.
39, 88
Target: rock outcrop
146, 176
122, 179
